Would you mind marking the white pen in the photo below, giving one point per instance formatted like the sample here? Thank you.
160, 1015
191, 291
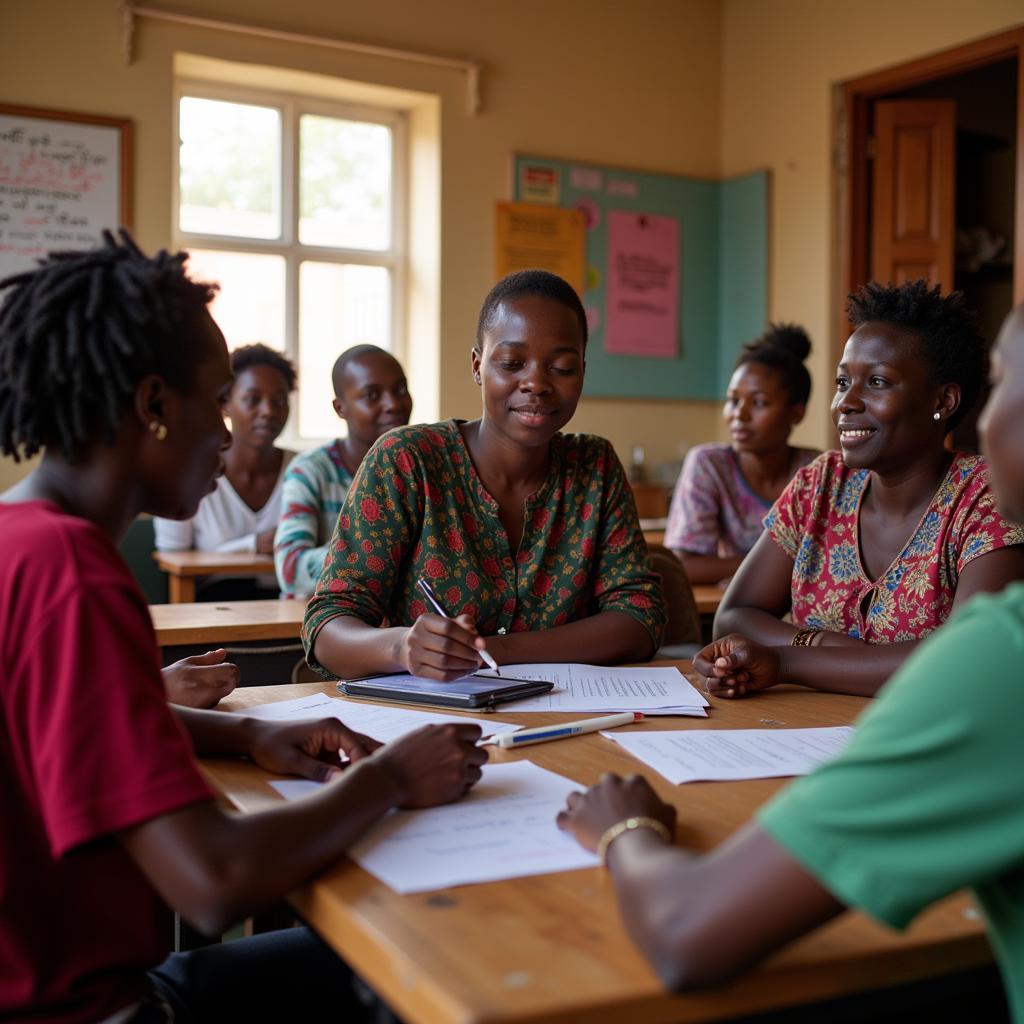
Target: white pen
559, 731
428, 592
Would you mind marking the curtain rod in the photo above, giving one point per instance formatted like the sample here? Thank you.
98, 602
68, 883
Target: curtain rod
130, 11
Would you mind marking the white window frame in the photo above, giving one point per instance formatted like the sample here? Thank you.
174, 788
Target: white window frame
291, 108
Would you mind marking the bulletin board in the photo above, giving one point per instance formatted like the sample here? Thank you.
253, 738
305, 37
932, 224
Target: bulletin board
687, 285
64, 177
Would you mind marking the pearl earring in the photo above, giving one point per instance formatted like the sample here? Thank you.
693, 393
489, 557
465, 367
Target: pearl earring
158, 430
937, 416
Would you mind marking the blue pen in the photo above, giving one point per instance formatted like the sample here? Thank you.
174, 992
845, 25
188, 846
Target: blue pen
428, 592
543, 733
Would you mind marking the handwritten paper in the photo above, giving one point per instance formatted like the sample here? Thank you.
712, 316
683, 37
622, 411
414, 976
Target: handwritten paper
504, 828
654, 691
729, 755
59, 187
381, 723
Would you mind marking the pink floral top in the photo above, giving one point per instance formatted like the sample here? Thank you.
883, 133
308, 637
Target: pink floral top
713, 510
815, 521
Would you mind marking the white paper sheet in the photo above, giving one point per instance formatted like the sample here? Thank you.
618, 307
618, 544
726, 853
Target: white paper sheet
504, 828
654, 691
380, 723
724, 755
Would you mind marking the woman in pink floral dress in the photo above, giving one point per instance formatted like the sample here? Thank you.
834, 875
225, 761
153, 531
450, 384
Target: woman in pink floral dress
872, 547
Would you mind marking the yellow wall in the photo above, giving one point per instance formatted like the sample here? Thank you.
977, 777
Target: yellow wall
780, 62
635, 84
685, 86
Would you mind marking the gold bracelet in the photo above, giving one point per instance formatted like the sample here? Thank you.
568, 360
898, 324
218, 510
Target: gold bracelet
628, 825
805, 638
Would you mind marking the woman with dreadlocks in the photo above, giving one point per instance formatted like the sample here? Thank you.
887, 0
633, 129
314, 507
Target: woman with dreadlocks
872, 547
111, 364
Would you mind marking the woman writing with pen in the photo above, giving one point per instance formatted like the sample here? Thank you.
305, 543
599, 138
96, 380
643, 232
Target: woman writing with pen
528, 537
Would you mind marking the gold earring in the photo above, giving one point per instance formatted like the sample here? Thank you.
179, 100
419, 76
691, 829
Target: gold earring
158, 430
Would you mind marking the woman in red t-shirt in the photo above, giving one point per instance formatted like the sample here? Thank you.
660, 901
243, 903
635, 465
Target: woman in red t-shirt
872, 547
111, 363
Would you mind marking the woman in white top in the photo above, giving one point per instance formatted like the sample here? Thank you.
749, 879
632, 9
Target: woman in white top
242, 513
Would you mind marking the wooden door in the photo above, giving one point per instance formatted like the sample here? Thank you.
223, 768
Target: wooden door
914, 198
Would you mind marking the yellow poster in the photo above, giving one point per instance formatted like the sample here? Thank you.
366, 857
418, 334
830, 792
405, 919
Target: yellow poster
540, 237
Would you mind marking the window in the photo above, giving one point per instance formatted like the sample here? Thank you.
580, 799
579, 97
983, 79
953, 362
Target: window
294, 206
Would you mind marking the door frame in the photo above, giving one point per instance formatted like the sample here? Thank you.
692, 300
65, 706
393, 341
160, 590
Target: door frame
853, 169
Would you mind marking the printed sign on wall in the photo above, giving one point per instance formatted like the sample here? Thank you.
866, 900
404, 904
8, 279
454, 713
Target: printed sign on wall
642, 309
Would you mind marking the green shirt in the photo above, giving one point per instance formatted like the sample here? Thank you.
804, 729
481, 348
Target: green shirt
929, 796
417, 508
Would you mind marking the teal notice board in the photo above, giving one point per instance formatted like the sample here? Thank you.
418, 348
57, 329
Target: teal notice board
723, 269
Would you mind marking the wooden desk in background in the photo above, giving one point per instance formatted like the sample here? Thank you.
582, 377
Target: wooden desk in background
551, 948
707, 597
217, 624
183, 568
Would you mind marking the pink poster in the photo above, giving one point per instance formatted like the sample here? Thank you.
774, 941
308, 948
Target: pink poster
642, 300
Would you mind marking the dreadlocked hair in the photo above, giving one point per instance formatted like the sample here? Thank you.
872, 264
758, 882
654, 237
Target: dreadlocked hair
951, 343
80, 331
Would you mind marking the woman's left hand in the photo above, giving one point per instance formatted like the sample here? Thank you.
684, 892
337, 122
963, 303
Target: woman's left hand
310, 749
735, 666
589, 815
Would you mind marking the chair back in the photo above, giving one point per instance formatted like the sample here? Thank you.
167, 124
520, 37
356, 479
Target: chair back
683, 619
137, 549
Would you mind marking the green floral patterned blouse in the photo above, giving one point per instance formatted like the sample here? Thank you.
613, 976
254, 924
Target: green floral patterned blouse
417, 508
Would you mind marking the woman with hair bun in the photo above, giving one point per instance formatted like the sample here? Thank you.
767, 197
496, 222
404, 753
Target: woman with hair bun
725, 490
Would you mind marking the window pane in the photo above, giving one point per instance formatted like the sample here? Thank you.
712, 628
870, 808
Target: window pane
340, 305
344, 183
250, 304
230, 168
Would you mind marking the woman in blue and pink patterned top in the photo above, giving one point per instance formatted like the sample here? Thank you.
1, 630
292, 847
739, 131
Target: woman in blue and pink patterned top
725, 490
874, 546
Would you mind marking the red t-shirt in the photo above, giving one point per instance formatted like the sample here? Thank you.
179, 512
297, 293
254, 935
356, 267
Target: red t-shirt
88, 746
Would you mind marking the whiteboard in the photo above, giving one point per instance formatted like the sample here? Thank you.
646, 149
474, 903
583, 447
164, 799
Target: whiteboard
63, 179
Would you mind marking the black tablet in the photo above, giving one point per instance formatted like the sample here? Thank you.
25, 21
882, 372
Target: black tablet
471, 692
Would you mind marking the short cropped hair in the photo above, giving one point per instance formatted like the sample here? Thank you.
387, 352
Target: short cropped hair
782, 347
78, 333
522, 283
350, 355
951, 343
245, 357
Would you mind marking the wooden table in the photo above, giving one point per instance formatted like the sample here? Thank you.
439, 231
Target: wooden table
219, 623
551, 948
183, 567
707, 596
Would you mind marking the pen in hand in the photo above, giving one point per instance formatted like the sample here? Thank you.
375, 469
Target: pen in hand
428, 592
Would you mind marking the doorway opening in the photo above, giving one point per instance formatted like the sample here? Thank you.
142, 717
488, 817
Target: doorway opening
930, 158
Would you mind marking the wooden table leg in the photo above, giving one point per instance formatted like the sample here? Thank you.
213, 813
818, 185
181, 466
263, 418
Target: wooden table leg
181, 589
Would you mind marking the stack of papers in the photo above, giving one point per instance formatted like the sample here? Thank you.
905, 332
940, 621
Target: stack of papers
654, 691
728, 755
379, 723
504, 828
